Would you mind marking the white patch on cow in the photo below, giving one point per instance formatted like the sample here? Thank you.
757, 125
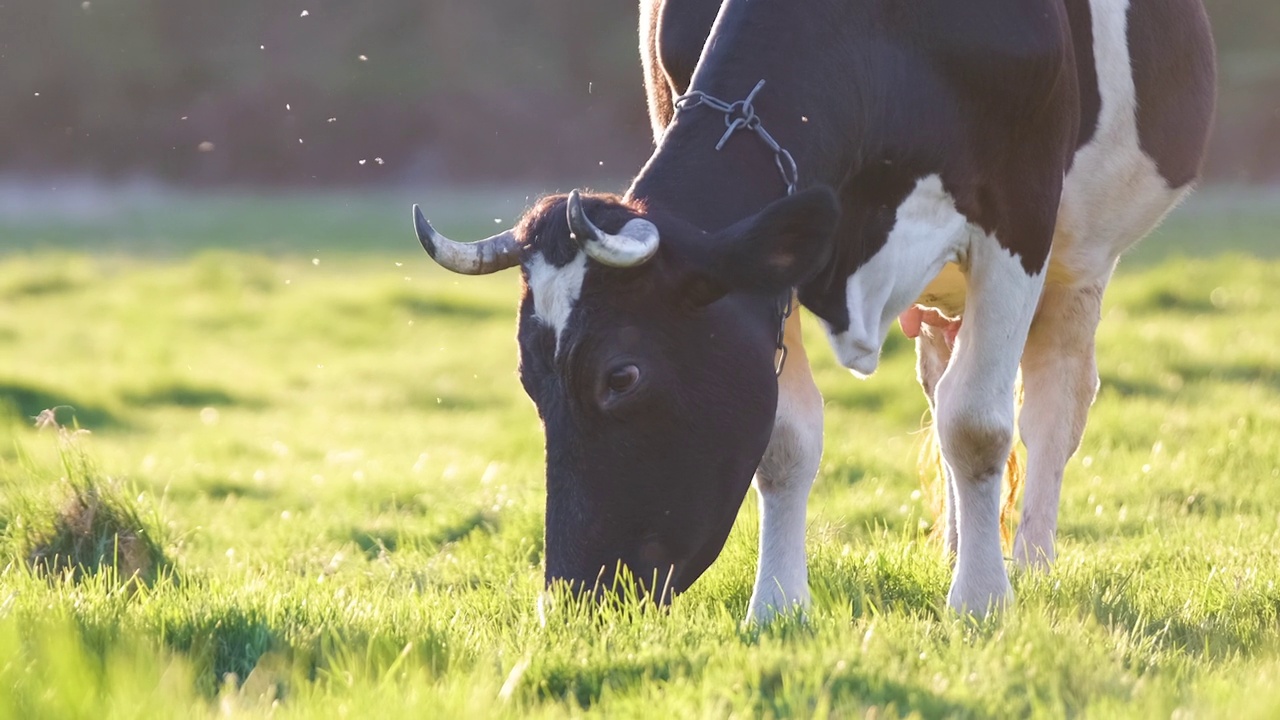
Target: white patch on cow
1114, 194
555, 290
976, 415
928, 233
782, 481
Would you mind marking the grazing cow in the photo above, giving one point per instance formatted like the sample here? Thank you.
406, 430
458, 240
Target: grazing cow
918, 158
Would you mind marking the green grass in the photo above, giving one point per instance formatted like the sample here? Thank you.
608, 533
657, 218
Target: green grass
346, 478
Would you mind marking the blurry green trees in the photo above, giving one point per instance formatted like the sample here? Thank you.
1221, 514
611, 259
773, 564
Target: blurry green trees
301, 91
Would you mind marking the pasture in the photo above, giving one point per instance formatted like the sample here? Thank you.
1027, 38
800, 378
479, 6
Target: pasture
326, 435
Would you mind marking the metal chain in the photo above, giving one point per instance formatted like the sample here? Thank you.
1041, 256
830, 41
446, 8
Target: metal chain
785, 309
738, 116
742, 115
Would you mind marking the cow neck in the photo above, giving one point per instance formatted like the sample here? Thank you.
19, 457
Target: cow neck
682, 179
688, 178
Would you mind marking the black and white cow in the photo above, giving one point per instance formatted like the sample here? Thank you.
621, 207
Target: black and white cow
987, 160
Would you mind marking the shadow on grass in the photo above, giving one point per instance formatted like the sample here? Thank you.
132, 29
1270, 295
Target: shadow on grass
1194, 373
188, 395
230, 640
865, 689
28, 401
1086, 531
223, 489
375, 542
1244, 373
772, 690
1213, 636
1171, 301
40, 285
446, 307
585, 685
1134, 387
460, 529
251, 646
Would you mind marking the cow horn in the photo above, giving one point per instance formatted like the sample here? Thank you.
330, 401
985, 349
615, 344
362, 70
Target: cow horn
479, 258
632, 246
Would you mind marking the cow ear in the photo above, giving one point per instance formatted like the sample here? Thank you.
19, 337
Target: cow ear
780, 247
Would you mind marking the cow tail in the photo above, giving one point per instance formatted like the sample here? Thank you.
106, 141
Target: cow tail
1015, 473
932, 479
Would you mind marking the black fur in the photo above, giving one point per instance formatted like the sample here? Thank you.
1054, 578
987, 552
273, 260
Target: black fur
993, 96
1174, 76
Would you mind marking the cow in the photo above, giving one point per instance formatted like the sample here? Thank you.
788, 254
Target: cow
975, 169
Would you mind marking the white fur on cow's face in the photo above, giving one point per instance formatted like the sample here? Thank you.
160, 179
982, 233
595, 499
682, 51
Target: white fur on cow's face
927, 234
555, 290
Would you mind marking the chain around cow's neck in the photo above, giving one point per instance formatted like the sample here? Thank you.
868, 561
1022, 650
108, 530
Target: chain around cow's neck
738, 116
742, 115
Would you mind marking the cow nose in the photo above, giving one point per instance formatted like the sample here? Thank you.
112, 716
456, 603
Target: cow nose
658, 576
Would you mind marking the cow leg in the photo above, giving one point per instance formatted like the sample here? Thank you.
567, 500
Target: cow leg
932, 356
975, 419
1059, 380
782, 481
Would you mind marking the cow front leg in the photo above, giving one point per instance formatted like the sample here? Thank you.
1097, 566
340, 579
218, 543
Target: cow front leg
782, 481
975, 418
1059, 380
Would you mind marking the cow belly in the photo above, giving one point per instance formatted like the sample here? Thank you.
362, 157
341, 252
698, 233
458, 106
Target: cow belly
946, 292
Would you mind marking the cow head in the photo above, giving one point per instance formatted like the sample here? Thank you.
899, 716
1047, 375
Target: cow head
647, 346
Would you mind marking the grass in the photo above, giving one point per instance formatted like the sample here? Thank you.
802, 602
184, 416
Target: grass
342, 471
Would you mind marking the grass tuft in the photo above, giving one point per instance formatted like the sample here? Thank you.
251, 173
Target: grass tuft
97, 527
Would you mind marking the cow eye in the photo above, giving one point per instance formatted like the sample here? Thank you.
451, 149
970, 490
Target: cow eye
623, 378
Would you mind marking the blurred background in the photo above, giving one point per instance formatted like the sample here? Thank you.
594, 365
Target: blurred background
296, 94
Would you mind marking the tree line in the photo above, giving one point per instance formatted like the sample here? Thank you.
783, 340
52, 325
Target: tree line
305, 92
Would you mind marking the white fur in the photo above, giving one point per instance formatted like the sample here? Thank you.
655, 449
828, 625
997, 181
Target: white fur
783, 480
928, 233
555, 290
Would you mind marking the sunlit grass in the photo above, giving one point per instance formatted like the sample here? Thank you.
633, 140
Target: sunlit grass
347, 478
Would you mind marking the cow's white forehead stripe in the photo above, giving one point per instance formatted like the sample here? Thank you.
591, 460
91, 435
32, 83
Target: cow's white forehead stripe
555, 290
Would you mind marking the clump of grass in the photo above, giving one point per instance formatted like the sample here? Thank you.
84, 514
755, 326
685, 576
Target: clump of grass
97, 527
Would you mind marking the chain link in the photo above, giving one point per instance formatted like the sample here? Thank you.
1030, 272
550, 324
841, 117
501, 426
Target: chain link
741, 115
785, 308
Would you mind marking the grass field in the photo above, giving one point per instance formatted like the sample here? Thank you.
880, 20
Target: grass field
327, 438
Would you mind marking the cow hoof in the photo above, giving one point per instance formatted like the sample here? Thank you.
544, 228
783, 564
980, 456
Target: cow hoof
974, 601
1029, 554
1032, 558
763, 611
